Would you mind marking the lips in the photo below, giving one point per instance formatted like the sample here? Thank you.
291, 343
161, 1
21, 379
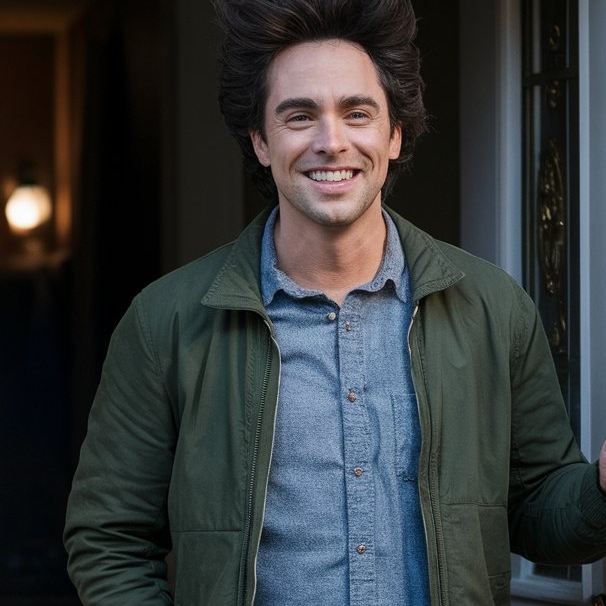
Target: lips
331, 175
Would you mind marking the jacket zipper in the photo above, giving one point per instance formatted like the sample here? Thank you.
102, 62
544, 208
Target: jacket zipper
432, 489
252, 478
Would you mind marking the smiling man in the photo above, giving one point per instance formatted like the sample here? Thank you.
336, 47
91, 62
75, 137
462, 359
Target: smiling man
334, 409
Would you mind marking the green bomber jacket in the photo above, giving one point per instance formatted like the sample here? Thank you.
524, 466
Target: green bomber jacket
178, 449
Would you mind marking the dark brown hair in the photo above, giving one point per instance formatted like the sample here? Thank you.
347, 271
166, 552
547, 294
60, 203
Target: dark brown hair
255, 31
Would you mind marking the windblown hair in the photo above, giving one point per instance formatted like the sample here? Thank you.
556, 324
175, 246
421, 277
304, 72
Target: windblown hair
255, 31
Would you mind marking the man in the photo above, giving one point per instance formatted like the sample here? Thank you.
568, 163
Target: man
334, 409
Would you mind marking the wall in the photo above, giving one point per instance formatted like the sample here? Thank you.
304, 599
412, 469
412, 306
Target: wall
203, 193
428, 193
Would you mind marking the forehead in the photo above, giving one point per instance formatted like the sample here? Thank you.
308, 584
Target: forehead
323, 70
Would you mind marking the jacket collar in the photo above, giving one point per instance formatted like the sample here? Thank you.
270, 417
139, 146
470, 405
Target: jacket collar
430, 269
238, 281
237, 284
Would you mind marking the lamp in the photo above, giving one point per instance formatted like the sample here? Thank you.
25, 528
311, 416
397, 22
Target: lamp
28, 207
29, 210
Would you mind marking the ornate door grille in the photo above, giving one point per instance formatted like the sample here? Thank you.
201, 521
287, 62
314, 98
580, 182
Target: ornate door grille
552, 181
551, 192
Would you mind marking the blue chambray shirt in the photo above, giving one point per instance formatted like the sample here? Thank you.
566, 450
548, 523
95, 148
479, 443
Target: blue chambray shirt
342, 521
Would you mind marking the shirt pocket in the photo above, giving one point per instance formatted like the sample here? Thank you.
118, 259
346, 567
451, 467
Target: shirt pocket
406, 434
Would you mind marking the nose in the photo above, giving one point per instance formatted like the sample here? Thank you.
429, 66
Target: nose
330, 137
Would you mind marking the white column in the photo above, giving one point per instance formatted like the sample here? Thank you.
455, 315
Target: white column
592, 85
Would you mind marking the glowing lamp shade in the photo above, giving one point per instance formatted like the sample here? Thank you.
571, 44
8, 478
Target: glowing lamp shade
28, 207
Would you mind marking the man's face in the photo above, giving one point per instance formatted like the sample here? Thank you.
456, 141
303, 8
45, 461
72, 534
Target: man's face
328, 138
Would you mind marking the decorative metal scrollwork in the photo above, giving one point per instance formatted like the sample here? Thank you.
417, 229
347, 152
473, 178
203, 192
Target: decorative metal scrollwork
552, 232
554, 93
550, 52
554, 88
555, 38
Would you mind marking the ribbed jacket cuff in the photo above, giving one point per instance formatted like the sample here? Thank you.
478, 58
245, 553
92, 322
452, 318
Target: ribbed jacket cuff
593, 500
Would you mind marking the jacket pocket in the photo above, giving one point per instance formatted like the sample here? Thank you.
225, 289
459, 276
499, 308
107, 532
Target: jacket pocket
207, 567
476, 539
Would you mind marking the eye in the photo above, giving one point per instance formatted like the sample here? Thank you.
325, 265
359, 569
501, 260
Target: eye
298, 121
358, 116
298, 118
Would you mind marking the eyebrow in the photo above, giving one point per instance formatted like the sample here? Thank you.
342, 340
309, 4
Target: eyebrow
296, 103
309, 103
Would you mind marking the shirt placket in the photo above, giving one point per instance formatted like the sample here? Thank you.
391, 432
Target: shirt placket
359, 483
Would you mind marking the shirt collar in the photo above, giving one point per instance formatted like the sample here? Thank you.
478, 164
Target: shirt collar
393, 266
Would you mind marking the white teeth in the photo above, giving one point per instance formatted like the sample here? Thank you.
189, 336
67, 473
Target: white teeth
331, 175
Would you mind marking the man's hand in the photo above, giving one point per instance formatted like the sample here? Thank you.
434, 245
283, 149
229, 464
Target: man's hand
603, 468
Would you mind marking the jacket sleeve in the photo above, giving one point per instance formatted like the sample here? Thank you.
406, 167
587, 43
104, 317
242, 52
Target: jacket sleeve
557, 512
116, 532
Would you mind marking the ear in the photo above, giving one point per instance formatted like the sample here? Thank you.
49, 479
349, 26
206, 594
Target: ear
260, 147
395, 143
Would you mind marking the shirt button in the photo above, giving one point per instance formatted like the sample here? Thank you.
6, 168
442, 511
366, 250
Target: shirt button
351, 397
332, 316
358, 471
361, 549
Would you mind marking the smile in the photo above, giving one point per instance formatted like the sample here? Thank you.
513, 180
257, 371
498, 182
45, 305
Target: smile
331, 175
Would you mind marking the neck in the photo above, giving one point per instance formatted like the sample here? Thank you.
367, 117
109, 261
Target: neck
334, 260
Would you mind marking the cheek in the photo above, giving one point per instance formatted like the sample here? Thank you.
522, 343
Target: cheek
290, 148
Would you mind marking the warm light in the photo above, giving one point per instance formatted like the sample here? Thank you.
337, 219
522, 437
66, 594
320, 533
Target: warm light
28, 207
